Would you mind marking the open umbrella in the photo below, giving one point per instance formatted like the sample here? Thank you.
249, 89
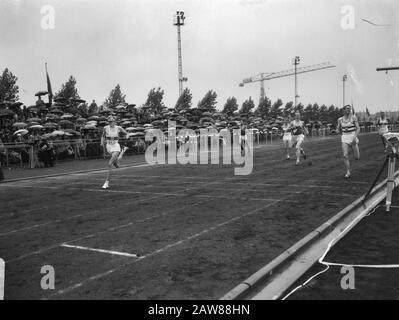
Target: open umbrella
34, 120
90, 127
136, 134
206, 119
56, 111
157, 123
67, 116
72, 132
50, 125
58, 104
77, 100
22, 132
94, 118
134, 129
53, 117
81, 120
192, 125
46, 135
36, 127
60, 99
33, 109
65, 122
33, 124
41, 93
19, 125
57, 133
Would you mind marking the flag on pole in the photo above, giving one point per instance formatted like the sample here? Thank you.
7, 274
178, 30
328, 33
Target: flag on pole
49, 90
368, 112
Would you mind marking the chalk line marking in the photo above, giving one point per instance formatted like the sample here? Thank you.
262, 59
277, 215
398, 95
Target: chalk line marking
92, 235
117, 253
165, 248
97, 210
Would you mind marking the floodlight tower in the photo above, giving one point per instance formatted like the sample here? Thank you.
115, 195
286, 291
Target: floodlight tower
296, 63
179, 21
344, 79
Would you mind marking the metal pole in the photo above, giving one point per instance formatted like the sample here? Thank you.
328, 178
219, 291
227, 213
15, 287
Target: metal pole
179, 21
180, 64
262, 89
296, 87
344, 78
296, 62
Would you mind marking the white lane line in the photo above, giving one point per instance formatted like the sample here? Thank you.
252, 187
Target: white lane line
76, 216
164, 213
117, 253
96, 190
164, 194
171, 194
169, 246
166, 178
2, 234
79, 173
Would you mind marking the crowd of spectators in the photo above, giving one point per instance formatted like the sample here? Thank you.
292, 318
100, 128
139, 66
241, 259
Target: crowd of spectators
71, 129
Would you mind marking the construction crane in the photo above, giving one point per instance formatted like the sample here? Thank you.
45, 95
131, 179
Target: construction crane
262, 77
386, 69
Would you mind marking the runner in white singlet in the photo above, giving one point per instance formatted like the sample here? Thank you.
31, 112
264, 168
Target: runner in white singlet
383, 127
287, 137
349, 127
109, 141
298, 130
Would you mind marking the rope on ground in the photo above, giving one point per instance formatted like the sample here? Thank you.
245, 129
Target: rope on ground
328, 264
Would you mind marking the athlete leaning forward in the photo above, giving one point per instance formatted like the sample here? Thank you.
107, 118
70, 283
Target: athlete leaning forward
243, 139
287, 137
349, 127
383, 127
298, 130
109, 141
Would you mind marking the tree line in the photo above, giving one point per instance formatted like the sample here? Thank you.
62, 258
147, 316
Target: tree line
154, 105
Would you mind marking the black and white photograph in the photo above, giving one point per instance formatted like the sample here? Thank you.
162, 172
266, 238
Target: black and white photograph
199, 156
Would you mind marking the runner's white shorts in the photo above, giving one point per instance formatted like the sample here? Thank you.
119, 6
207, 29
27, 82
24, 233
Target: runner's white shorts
297, 139
287, 138
113, 147
349, 138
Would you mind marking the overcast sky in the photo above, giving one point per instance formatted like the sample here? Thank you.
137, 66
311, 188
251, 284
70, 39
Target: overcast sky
134, 43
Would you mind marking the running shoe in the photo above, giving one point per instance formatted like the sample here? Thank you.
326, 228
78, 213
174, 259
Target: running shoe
303, 154
288, 158
297, 163
106, 185
348, 175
